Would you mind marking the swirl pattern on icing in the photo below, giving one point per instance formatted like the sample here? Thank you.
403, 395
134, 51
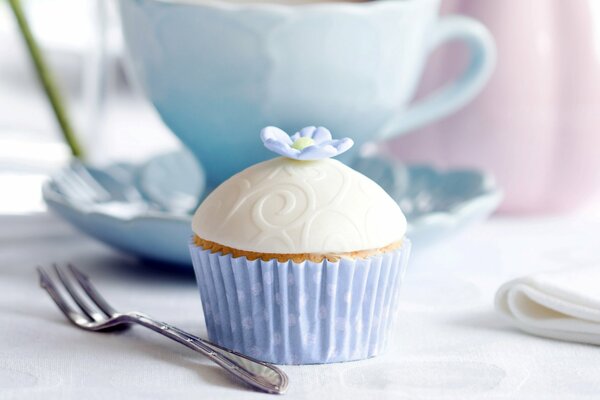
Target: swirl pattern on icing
289, 206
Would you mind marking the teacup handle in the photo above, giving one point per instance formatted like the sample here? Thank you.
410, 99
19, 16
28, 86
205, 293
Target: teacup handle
453, 95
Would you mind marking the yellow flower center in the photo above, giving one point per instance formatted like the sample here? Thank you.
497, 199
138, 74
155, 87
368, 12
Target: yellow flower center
302, 142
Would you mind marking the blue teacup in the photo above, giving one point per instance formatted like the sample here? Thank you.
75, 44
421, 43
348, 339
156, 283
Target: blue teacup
218, 72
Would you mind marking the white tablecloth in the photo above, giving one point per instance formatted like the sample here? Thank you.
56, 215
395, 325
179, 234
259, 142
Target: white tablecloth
448, 344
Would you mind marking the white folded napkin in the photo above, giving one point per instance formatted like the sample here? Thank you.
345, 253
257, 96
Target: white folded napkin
562, 304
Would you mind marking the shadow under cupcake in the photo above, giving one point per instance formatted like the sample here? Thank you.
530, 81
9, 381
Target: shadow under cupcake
299, 259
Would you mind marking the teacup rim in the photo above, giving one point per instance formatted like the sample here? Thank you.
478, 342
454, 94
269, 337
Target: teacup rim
324, 5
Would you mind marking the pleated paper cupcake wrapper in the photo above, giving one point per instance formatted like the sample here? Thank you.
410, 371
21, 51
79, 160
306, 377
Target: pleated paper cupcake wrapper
300, 313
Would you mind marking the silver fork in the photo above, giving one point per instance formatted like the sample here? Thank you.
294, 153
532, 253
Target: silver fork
76, 182
97, 315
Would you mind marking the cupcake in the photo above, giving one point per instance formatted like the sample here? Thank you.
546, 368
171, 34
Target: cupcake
299, 258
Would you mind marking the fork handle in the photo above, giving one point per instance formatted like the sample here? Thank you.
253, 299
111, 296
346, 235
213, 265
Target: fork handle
256, 373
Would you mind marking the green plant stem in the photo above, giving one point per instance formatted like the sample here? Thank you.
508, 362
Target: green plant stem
47, 81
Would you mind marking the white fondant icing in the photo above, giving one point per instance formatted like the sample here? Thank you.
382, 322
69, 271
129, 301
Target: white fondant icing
289, 206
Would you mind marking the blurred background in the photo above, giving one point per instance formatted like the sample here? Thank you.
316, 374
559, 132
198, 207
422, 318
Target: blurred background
534, 126
112, 119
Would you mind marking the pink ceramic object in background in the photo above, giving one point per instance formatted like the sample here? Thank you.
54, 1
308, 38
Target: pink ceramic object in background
536, 125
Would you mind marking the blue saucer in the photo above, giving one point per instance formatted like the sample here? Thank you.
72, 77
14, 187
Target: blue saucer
146, 210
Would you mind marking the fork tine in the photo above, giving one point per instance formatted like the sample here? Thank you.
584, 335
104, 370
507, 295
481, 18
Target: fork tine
83, 176
67, 283
72, 187
47, 284
91, 291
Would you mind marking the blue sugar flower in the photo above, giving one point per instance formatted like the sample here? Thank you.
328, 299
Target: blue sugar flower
310, 143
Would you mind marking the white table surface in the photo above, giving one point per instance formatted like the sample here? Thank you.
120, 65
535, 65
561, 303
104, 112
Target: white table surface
448, 343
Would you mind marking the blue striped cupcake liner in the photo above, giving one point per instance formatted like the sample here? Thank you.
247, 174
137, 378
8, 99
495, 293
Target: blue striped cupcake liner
300, 313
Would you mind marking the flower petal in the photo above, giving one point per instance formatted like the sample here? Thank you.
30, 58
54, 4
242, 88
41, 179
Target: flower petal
281, 148
321, 135
317, 152
274, 133
307, 131
342, 144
